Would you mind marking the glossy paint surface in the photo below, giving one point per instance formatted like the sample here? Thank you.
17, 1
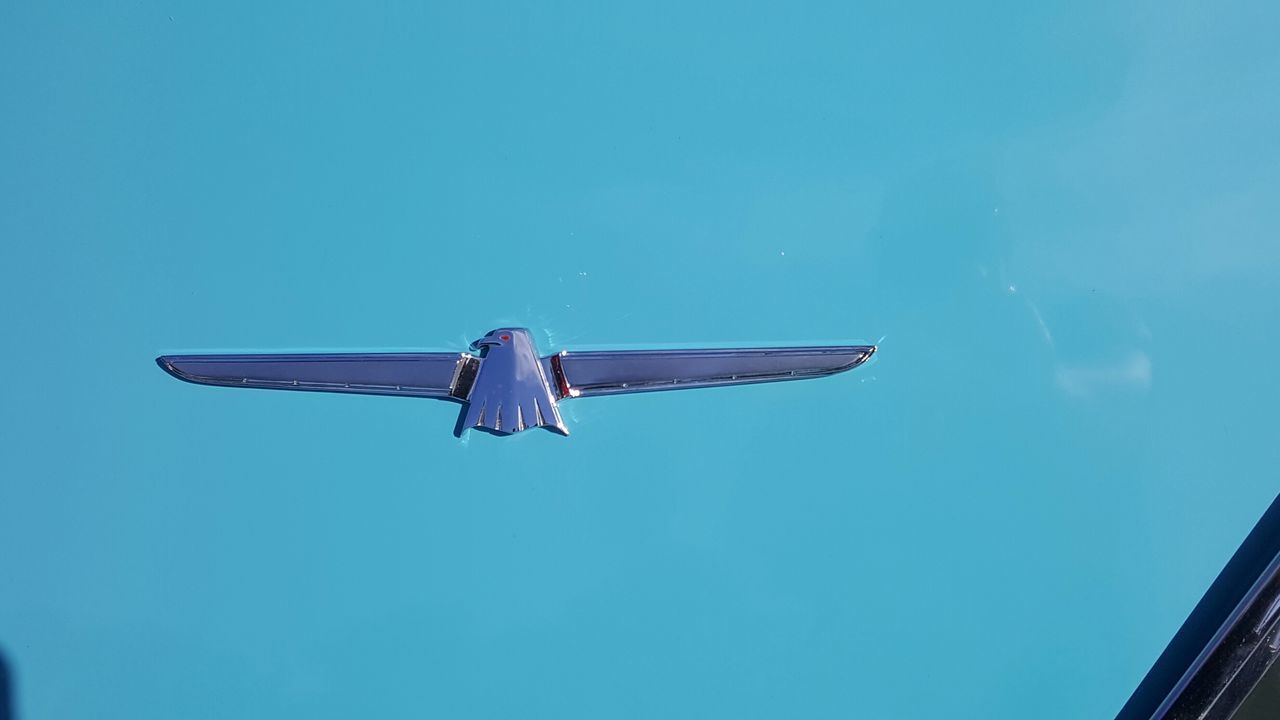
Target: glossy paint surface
1058, 221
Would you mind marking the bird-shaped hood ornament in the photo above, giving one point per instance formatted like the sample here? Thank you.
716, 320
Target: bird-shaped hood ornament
508, 387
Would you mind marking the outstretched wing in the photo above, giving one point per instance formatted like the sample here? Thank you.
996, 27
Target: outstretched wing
584, 374
438, 375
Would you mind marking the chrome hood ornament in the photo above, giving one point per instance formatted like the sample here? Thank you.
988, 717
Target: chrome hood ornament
508, 388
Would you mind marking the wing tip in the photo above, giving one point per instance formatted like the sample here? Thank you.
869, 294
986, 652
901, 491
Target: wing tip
166, 364
172, 364
862, 355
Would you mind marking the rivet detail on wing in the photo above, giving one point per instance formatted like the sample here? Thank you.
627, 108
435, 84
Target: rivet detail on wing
586, 374
411, 374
